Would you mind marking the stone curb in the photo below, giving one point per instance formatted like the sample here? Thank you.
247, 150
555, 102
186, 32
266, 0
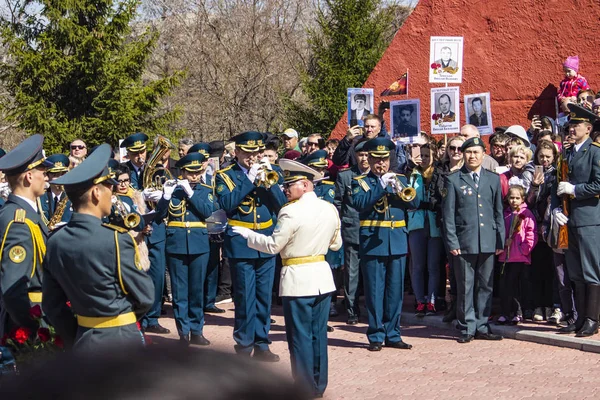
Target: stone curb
511, 332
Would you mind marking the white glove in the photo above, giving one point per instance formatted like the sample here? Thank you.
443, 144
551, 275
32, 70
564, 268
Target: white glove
254, 170
240, 230
168, 189
387, 179
185, 185
152, 195
266, 163
559, 217
565, 188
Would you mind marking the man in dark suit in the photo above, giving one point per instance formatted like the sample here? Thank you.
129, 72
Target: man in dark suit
402, 122
479, 117
357, 114
350, 226
23, 232
445, 107
472, 209
583, 189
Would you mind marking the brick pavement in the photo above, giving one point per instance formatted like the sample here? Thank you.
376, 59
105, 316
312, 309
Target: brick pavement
436, 368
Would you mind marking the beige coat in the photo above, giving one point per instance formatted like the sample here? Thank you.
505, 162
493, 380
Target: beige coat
307, 227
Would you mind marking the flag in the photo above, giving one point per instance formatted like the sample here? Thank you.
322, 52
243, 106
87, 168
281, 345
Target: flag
400, 86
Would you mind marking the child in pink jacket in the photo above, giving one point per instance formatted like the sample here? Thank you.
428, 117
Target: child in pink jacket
572, 83
521, 238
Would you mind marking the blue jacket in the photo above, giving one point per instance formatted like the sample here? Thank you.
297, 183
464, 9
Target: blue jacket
416, 217
379, 206
325, 190
136, 180
181, 209
247, 205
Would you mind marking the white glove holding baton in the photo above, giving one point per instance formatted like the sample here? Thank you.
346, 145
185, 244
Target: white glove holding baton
560, 218
185, 185
565, 188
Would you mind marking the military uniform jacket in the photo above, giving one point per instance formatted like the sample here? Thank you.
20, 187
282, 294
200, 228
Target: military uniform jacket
195, 210
101, 276
382, 216
305, 228
584, 173
325, 190
473, 217
24, 237
255, 207
47, 207
136, 178
343, 202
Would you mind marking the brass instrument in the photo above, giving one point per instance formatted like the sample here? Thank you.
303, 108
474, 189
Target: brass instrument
58, 213
130, 219
406, 193
150, 178
270, 177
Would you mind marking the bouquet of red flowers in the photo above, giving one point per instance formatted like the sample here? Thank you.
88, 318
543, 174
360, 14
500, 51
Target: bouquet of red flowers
27, 345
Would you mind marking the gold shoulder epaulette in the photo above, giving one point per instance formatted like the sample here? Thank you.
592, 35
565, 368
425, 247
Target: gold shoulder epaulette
401, 175
360, 177
225, 169
328, 182
362, 183
208, 186
596, 144
20, 215
117, 228
343, 169
226, 178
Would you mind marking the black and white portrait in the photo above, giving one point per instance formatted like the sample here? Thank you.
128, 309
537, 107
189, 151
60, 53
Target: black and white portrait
445, 110
445, 58
360, 104
478, 112
406, 120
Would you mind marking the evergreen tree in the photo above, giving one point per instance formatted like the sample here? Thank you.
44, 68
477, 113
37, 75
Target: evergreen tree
74, 70
351, 38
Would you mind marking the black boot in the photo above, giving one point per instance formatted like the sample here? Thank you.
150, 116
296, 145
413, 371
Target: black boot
450, 314
592, 309
580, 304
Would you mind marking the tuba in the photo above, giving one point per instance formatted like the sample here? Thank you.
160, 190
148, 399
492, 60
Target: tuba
130, 219
151, 177
406, 193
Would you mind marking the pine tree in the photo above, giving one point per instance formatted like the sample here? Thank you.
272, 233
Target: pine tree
351, 38
75, 70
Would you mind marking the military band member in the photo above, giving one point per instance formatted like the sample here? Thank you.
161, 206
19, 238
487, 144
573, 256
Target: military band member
383, 244
583, 222
55, 199
212, 272
136, 152
306, 278
250, 201
187, 203
125, 212
350, 230
24, 234
474, 223
101, 275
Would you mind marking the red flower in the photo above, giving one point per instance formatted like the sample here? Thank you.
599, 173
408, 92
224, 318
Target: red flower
69, 304
434, 116
35, 312
58, 342
434, 66
44, 334
21, 334
438, 65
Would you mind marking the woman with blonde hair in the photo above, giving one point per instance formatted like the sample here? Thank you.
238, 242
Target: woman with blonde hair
519, 159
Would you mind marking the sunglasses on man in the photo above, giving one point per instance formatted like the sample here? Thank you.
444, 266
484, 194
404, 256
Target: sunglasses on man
77, 147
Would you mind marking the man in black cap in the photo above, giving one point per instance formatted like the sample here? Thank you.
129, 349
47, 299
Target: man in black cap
474, 223
583, 221
101, 276
24, 234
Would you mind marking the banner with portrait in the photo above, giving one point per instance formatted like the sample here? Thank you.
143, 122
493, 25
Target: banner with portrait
360, 104
445, 110
478, 111
445, 59
405, 116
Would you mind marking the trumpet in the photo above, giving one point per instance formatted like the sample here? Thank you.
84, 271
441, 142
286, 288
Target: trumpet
130, 219
406, 193
268, 177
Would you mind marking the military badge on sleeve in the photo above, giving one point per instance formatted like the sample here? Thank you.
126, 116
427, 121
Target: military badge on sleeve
210, 197
331, 193
220, 188
17, 254
356, 190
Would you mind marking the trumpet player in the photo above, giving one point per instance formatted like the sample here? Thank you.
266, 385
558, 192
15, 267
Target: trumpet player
381, 200
186, 203
53, 204
250, 204
123, 202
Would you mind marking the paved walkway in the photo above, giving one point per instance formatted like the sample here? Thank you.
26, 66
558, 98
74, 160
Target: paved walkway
436, 368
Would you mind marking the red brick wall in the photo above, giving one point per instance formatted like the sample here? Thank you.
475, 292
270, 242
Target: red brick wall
513, 49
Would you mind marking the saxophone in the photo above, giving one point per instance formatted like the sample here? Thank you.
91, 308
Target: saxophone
58, 213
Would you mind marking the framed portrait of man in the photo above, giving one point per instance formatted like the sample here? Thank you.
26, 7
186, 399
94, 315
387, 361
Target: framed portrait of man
445, 59
360, 104
445, 110
478, 111
405, 116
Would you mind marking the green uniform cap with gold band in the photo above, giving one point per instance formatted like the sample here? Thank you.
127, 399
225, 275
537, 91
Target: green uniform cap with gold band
135, 142
294, 171
92, 171
250, 141
26, 156
60, 163
203, 148
379, 147
191, 162
580, 114
316, 159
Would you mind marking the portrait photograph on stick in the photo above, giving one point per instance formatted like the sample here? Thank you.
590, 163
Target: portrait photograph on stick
478, 111
406, 120
360, 104
445, 110
445, 59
